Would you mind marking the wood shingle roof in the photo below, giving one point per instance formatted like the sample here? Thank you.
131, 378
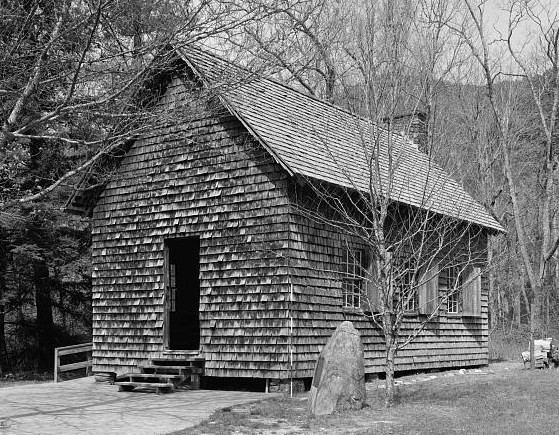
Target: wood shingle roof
315, 139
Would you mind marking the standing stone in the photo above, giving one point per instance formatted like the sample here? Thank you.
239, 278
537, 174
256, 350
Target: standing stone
339, 376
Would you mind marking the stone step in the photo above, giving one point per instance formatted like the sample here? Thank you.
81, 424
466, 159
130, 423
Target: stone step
179, 369
151, 378
179, 353
197, 361
158, 387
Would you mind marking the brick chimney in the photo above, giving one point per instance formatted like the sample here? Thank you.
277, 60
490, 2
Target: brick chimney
413, 126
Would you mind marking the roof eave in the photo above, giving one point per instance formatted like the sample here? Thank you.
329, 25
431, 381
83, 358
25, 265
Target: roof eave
495, 228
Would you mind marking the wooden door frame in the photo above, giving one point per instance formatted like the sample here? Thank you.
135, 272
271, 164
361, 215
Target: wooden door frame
166, 298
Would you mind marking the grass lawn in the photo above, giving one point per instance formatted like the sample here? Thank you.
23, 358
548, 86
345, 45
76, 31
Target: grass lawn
501, 399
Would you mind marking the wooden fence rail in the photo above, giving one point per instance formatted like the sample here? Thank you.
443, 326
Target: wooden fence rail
86, 348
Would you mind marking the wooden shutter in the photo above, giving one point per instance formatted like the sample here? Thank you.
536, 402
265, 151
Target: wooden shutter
372, 291
471, 294
428, 291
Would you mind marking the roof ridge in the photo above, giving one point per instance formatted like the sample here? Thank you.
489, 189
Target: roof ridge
291, 88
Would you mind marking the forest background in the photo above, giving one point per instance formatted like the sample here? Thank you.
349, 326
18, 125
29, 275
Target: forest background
482, 76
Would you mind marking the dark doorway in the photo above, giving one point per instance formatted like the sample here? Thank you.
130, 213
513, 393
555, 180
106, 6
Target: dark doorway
183, 293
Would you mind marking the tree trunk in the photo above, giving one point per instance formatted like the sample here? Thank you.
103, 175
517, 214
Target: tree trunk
4, 362
389, 371
518, 311
534, 322
44, 322
532, 334
547, 303
390, 343
527, 304
494, 311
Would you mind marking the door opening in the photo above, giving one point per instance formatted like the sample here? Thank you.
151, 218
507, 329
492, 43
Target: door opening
183, 293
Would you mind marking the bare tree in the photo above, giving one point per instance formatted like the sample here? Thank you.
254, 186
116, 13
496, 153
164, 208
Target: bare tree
300, 40
402, 255
79, 80
74, 76
540, 74
409, 246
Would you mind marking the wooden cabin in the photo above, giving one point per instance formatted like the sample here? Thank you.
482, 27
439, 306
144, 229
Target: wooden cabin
199, 245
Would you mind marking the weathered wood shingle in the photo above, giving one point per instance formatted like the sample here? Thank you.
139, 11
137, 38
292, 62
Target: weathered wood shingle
205, 176
316, 251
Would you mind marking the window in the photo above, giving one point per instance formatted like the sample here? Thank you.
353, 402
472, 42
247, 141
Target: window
352, 279
462, 287
451, 283
406, 289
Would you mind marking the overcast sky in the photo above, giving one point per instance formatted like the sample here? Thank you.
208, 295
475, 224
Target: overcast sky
526, 37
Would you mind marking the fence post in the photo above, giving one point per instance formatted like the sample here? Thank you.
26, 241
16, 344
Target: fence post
89, 368
55, 365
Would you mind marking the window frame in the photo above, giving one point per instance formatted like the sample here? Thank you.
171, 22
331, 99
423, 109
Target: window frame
353, 279
406, 281
453, 282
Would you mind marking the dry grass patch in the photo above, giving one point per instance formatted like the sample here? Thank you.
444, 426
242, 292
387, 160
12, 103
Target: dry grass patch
497, 401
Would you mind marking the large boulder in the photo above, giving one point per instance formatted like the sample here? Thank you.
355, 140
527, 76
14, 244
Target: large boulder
339, 376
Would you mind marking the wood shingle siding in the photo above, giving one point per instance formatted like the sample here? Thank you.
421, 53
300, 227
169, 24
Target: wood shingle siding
213, 181
448, 341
